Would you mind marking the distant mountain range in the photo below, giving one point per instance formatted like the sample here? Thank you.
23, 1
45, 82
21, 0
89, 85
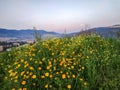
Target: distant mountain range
106, 32
110, 31
26, 34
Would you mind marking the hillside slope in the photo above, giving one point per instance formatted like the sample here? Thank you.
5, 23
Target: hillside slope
77, 63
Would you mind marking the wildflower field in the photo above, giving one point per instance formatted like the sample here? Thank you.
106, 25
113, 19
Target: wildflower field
77, 63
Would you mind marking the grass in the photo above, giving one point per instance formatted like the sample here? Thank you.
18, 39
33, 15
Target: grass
77, 63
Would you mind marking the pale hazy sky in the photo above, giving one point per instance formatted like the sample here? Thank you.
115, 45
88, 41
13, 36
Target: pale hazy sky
56, 15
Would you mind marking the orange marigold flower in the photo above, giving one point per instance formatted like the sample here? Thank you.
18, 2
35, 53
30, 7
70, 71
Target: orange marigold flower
42, 76
63, 76
34, 76
46, 74
23, 82
31, 68
24, 89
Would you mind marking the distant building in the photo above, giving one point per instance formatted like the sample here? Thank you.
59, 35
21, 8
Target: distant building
16, 44
1, 48
30, 42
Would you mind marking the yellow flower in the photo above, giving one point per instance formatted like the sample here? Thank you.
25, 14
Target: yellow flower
34, 76
73, 76
26, 62
83, 67
31, 68
56, 78
30, 59
39, 68
74, 63
42, 76
22, 60
73, 52
15, 63
72, 67
31, 73
11, 79
27, 77
81, 79
63, 76
10, 71
57, 73
20, 89
61, 63
68, 76
24, 89
13, 88
79, 70
33, 54
5, 77
48, 67
43, 59
69, 86
65, 65
67, 73
50, 75
36, 62
85, 83
27, 72
46, 86
54, 60
91, 52
49, 62
5, 68
1, 63
15, 81
52, 53
47, 74
87, 57
22, 73
34, 84
61, 71
40, 62
23, 82
74, 58
18, 65
54, 68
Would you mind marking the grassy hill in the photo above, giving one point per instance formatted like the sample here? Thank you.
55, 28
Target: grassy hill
77, 63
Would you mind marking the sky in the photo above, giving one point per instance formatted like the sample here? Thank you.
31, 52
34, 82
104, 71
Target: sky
58, 15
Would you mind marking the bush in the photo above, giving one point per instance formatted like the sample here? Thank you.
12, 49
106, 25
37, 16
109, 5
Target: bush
77, 63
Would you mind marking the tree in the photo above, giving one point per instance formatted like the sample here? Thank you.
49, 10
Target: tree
37, 36
118, 34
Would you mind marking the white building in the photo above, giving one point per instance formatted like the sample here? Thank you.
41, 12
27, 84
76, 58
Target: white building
16, 44
1, 48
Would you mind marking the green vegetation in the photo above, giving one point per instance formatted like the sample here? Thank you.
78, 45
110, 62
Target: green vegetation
77, 63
